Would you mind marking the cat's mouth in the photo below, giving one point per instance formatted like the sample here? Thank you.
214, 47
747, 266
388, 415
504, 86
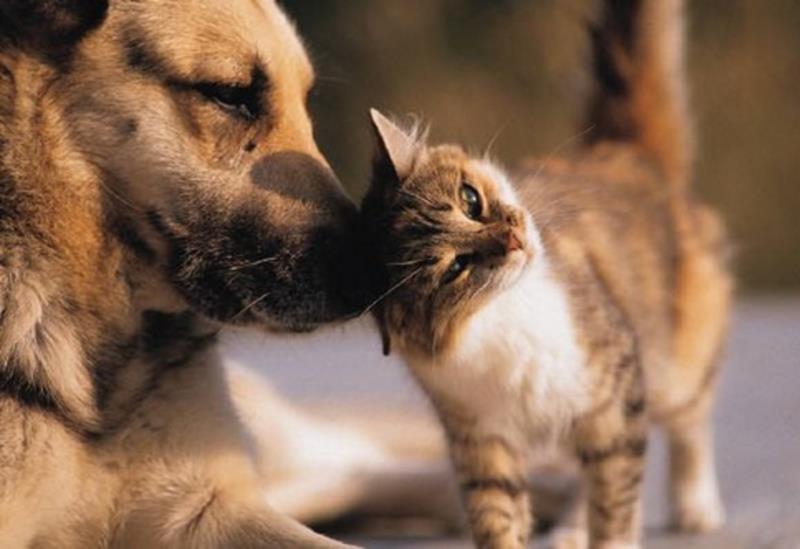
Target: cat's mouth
516, 264
521, 258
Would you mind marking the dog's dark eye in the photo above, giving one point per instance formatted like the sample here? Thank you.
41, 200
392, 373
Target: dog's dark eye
458, 266
471, 198
240, 100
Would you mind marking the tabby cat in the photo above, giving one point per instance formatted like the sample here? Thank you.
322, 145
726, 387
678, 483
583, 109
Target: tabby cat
570, 304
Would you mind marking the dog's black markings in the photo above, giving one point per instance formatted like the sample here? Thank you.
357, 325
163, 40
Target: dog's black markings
17, 386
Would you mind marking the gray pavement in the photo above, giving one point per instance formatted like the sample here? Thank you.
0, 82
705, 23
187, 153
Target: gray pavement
757, 419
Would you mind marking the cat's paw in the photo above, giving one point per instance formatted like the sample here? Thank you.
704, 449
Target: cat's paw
566, 538
699, 514
699, 520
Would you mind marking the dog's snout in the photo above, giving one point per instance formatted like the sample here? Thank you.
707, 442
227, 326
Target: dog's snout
300, 178
307, 204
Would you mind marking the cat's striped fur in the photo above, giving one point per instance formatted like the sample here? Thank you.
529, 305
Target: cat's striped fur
588, 296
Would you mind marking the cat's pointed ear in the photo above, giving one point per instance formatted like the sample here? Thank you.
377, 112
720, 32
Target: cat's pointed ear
396, 148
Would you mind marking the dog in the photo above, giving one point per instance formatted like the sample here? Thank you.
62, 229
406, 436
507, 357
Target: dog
159, 179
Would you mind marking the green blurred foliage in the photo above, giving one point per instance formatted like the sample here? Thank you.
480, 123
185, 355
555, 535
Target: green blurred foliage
512, 73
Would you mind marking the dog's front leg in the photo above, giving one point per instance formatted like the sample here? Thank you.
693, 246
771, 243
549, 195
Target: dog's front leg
209, 516
214, 519
188, 475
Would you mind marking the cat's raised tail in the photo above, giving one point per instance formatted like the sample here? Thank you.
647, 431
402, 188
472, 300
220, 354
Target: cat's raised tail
640, 92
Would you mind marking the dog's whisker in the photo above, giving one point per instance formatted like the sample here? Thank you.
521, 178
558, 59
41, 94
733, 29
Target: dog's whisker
118, 197
333, 79
255, 263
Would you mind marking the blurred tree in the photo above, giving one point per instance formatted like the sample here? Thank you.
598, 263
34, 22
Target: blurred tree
512, 72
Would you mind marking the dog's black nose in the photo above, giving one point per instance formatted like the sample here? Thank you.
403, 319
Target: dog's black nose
298, 178
338, 267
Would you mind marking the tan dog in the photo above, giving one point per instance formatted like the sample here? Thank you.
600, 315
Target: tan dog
158, 177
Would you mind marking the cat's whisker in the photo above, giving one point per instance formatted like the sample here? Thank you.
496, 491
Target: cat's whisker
390, 291
249, 306
488, 149
482, 288
408, 263
559, 148
415, 196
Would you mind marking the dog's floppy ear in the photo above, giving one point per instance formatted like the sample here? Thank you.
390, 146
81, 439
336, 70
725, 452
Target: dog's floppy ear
396, 150
49, 26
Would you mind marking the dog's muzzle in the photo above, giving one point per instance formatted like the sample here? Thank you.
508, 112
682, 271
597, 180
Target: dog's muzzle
288, 254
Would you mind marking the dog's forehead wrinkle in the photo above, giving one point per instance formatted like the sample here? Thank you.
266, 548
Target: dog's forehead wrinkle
241, 41
222, 34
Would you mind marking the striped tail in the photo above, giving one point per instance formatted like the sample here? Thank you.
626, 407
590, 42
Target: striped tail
640, 92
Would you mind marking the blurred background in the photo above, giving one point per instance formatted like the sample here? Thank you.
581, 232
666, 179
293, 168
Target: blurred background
512, 73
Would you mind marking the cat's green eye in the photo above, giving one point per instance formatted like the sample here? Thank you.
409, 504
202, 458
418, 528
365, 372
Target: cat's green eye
473, 206
458, 266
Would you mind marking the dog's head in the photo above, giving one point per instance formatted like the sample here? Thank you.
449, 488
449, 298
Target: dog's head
194, 113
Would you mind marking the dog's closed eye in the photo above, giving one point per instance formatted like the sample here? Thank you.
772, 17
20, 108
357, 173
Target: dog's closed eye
244, 101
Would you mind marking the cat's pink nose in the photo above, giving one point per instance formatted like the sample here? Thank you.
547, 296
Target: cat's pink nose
513, 242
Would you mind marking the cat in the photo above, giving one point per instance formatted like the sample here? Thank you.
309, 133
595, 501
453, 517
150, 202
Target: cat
573, 303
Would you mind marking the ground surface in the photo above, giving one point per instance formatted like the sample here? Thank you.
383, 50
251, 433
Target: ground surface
757, 420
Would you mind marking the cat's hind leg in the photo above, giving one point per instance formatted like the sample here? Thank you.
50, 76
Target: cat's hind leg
695, 502
683, 398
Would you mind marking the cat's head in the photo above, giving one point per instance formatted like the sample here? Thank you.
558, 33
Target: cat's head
450, 233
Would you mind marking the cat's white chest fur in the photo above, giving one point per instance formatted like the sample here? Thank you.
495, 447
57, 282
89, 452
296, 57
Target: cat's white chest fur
518, 364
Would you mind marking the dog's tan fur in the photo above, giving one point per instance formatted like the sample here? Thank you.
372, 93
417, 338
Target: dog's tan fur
158, 177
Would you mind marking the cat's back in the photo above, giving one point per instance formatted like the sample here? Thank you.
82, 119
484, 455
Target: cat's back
602, 187
606, 220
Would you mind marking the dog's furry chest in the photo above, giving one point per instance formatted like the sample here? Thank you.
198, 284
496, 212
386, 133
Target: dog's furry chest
517, 362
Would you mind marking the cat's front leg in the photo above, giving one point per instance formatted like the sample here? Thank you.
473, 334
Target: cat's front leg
492, 476
611, 442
